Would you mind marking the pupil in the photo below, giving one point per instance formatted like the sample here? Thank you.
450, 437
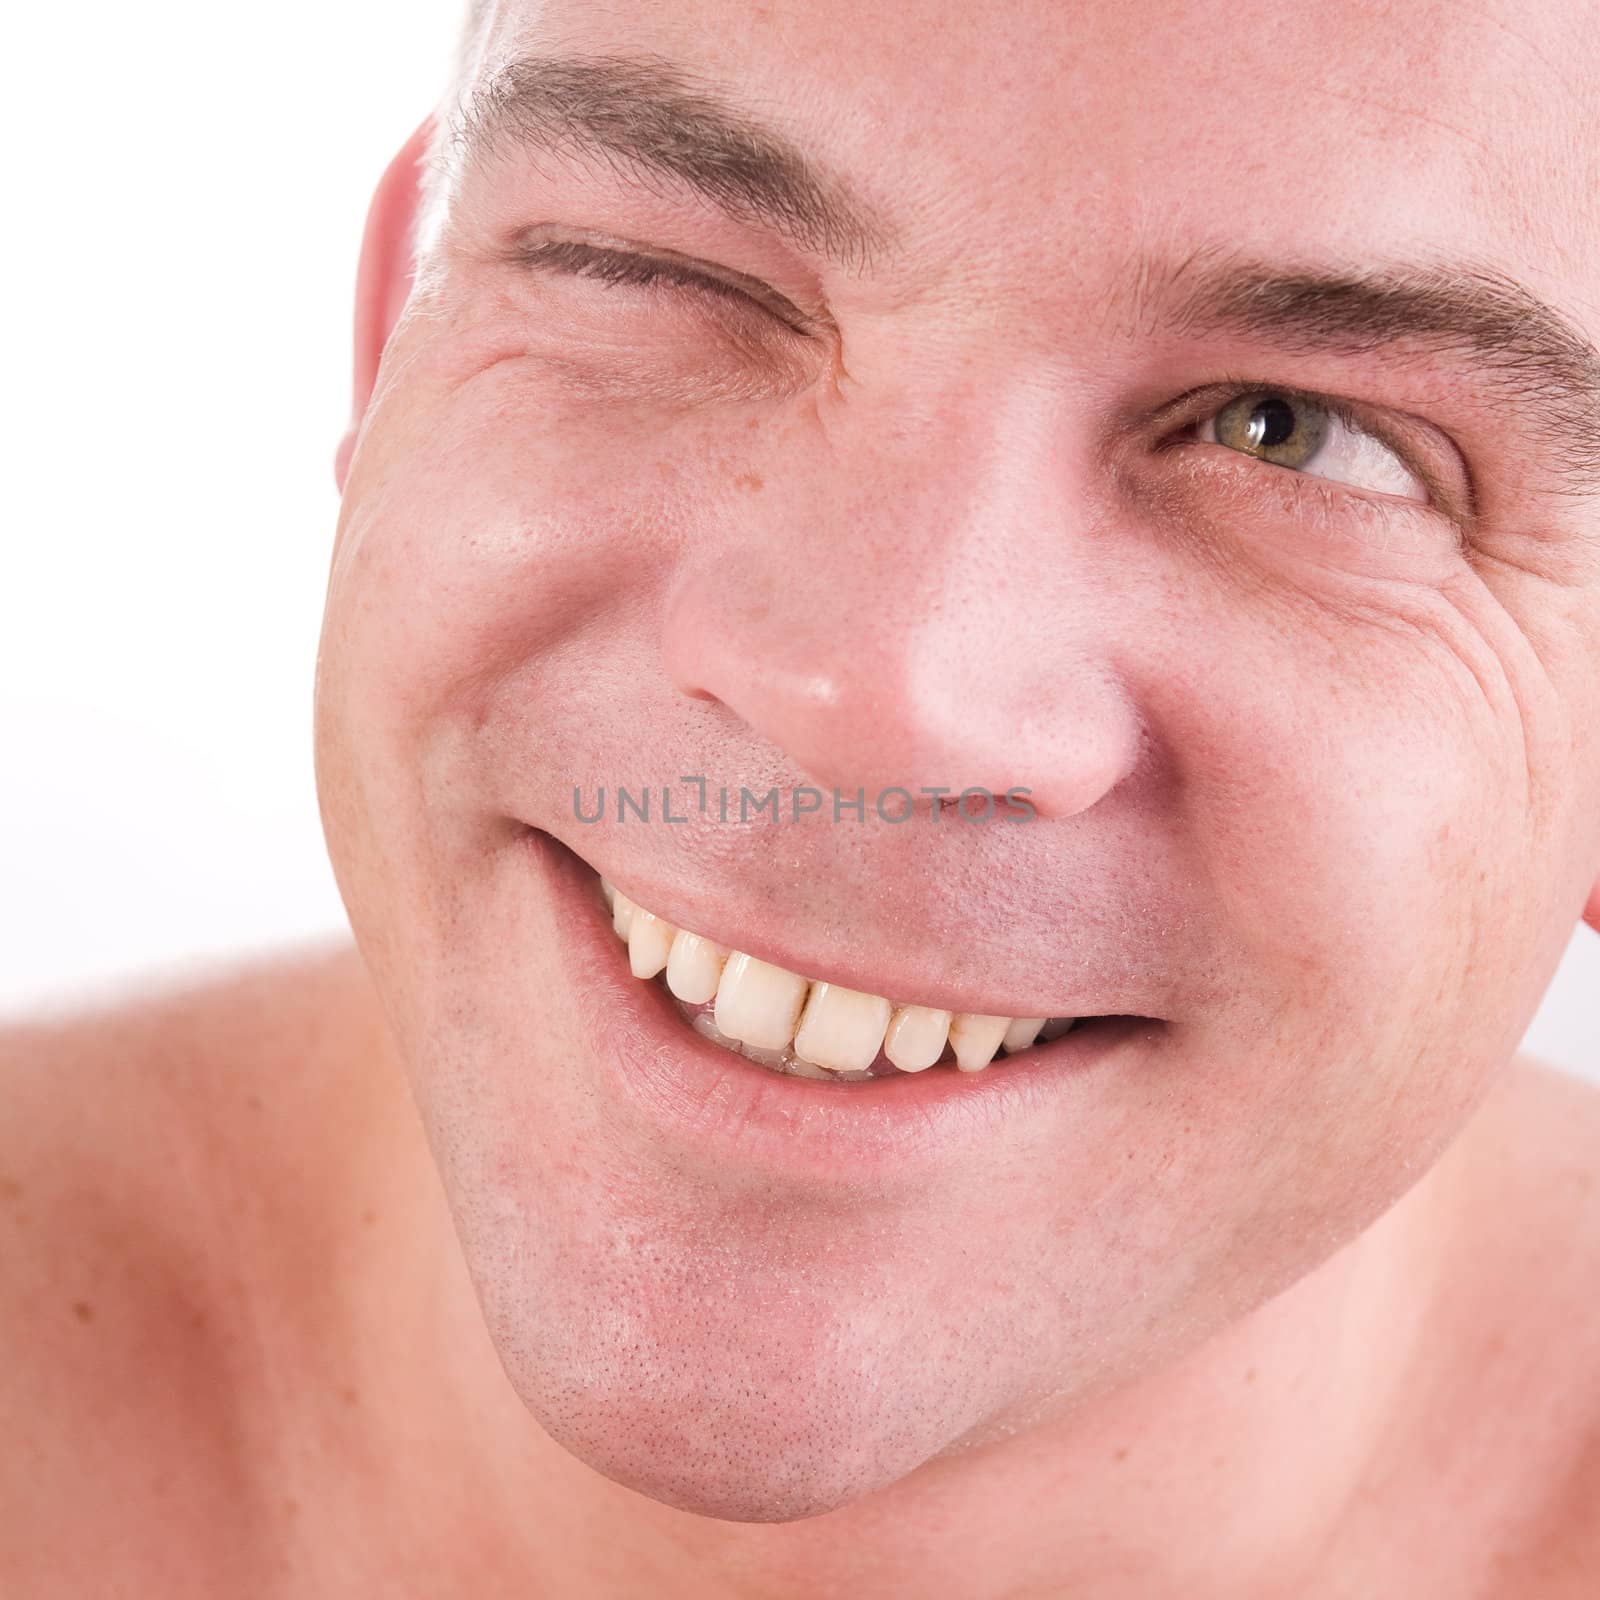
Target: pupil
1271, 422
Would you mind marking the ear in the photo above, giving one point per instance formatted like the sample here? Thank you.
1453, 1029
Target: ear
383, 280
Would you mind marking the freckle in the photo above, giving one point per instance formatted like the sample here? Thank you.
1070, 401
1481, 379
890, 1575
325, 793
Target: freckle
253, 1101
10, 1189
748, 480
348, 1395
291, 1505
369, 1216
1250, 1376
1121, 1455
83, 1311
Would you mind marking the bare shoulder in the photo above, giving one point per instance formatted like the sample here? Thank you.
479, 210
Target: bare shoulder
132, 1159
1538, 1089
1536, 1230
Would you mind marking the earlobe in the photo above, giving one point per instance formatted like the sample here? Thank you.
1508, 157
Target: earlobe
383, 279
1591, 907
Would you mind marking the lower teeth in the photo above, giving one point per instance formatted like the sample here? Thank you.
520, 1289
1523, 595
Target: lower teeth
785, 1060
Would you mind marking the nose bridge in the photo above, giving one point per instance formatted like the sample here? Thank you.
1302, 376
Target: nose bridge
882, 621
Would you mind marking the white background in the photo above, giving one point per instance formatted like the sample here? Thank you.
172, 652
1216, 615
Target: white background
187, 184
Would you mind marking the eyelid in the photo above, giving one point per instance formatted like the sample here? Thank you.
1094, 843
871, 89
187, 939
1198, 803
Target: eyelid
562, 254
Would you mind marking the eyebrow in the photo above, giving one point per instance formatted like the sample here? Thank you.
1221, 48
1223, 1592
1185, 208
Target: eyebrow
1469, 312
648, 114
654, 120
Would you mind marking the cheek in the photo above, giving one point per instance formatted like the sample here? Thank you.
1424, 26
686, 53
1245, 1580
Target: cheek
490, 544
1356, 807
493, 635
486, 616
1350, 806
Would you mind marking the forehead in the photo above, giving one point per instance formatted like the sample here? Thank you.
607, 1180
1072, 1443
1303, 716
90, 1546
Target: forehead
1030, 127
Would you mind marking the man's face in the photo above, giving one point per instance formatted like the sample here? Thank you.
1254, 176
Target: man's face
1310, 750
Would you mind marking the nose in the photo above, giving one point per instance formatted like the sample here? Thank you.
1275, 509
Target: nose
918, 603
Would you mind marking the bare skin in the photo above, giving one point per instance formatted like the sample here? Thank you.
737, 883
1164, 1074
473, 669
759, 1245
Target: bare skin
363, 1273
232, 1365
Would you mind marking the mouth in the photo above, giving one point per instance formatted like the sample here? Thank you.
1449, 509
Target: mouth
724, 1106
814, 1027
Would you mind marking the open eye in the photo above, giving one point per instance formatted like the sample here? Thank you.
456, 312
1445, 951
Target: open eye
1316, 437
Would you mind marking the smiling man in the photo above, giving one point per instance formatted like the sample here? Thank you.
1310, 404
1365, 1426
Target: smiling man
1120, 491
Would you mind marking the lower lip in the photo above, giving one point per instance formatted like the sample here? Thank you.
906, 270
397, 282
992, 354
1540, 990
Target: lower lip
717, 1106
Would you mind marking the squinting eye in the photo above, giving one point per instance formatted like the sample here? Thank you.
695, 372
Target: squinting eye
579, 259
617, 266
1314, 437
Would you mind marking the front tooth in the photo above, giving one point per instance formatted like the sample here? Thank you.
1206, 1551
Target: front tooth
916, 1037
622, 910
1022, 1033
841, 1028
975, 1038
693, 967
649, 941
758, 1003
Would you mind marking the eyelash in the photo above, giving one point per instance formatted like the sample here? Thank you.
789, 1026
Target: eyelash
614, 267
622, 267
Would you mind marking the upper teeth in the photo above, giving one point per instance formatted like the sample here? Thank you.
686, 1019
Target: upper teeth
768, 1009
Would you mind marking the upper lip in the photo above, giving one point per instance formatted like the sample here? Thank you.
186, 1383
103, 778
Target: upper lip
729, 922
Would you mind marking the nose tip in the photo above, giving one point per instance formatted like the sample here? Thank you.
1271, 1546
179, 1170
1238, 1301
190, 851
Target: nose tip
863, 698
